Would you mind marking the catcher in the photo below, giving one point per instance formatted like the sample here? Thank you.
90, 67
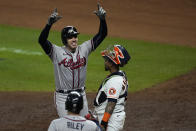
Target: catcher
111, 97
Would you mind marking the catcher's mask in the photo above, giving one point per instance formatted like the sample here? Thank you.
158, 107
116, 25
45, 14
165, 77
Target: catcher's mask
74, 102
67, 33
117, 54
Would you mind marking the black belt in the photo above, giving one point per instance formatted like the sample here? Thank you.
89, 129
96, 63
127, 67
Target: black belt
68, 91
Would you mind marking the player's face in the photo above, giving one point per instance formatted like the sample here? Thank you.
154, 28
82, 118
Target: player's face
72, 43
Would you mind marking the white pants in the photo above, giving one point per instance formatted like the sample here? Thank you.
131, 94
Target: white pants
116, 121
60, 99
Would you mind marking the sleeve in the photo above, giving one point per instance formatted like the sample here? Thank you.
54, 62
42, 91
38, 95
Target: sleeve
114, 88
100, 36
54, 52
45, 44
52, 126
87, 47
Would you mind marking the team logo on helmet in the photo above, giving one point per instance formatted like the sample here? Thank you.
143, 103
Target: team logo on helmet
117, 54
71, 30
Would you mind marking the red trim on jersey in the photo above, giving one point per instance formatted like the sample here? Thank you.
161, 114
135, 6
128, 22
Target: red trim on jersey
74, 120
72, 72
78, 77
78, 57
73, 79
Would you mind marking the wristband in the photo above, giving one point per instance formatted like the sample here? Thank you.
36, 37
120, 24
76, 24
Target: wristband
105, 119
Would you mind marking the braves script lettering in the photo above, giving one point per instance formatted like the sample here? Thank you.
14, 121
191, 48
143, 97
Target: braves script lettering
73, 65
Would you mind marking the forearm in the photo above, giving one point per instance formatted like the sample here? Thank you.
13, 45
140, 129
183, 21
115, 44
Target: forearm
100, 36
110, 107
45, 44
108, 112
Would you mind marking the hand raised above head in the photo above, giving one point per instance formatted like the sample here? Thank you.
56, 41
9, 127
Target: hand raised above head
101, 13
54, 17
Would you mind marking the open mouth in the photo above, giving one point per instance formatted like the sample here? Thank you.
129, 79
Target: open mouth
74, 44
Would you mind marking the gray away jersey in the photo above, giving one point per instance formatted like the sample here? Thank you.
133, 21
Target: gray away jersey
70, 68
73, 123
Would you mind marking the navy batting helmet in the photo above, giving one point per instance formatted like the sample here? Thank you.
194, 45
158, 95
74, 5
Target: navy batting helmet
74, 102
68, 32
117, 54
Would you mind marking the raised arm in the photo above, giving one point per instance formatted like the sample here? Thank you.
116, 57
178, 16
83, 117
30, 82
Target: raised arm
45, 44
99, 37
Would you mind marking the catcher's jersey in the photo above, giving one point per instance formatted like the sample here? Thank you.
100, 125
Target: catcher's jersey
70, 68
73, 123
113, 88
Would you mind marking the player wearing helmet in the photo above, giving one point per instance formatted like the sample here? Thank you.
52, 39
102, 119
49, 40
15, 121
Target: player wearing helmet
110, 100
73, 121
70, 61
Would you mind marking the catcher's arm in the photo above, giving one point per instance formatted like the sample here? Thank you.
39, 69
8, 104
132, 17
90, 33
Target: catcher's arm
108, 112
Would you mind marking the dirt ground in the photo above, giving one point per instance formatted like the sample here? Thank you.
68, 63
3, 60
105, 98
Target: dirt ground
170, 106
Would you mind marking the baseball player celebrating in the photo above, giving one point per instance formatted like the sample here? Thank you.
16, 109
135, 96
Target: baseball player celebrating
70, 61
73, 121
110, 100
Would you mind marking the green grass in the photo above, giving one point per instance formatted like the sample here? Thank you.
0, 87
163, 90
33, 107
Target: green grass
151, 63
